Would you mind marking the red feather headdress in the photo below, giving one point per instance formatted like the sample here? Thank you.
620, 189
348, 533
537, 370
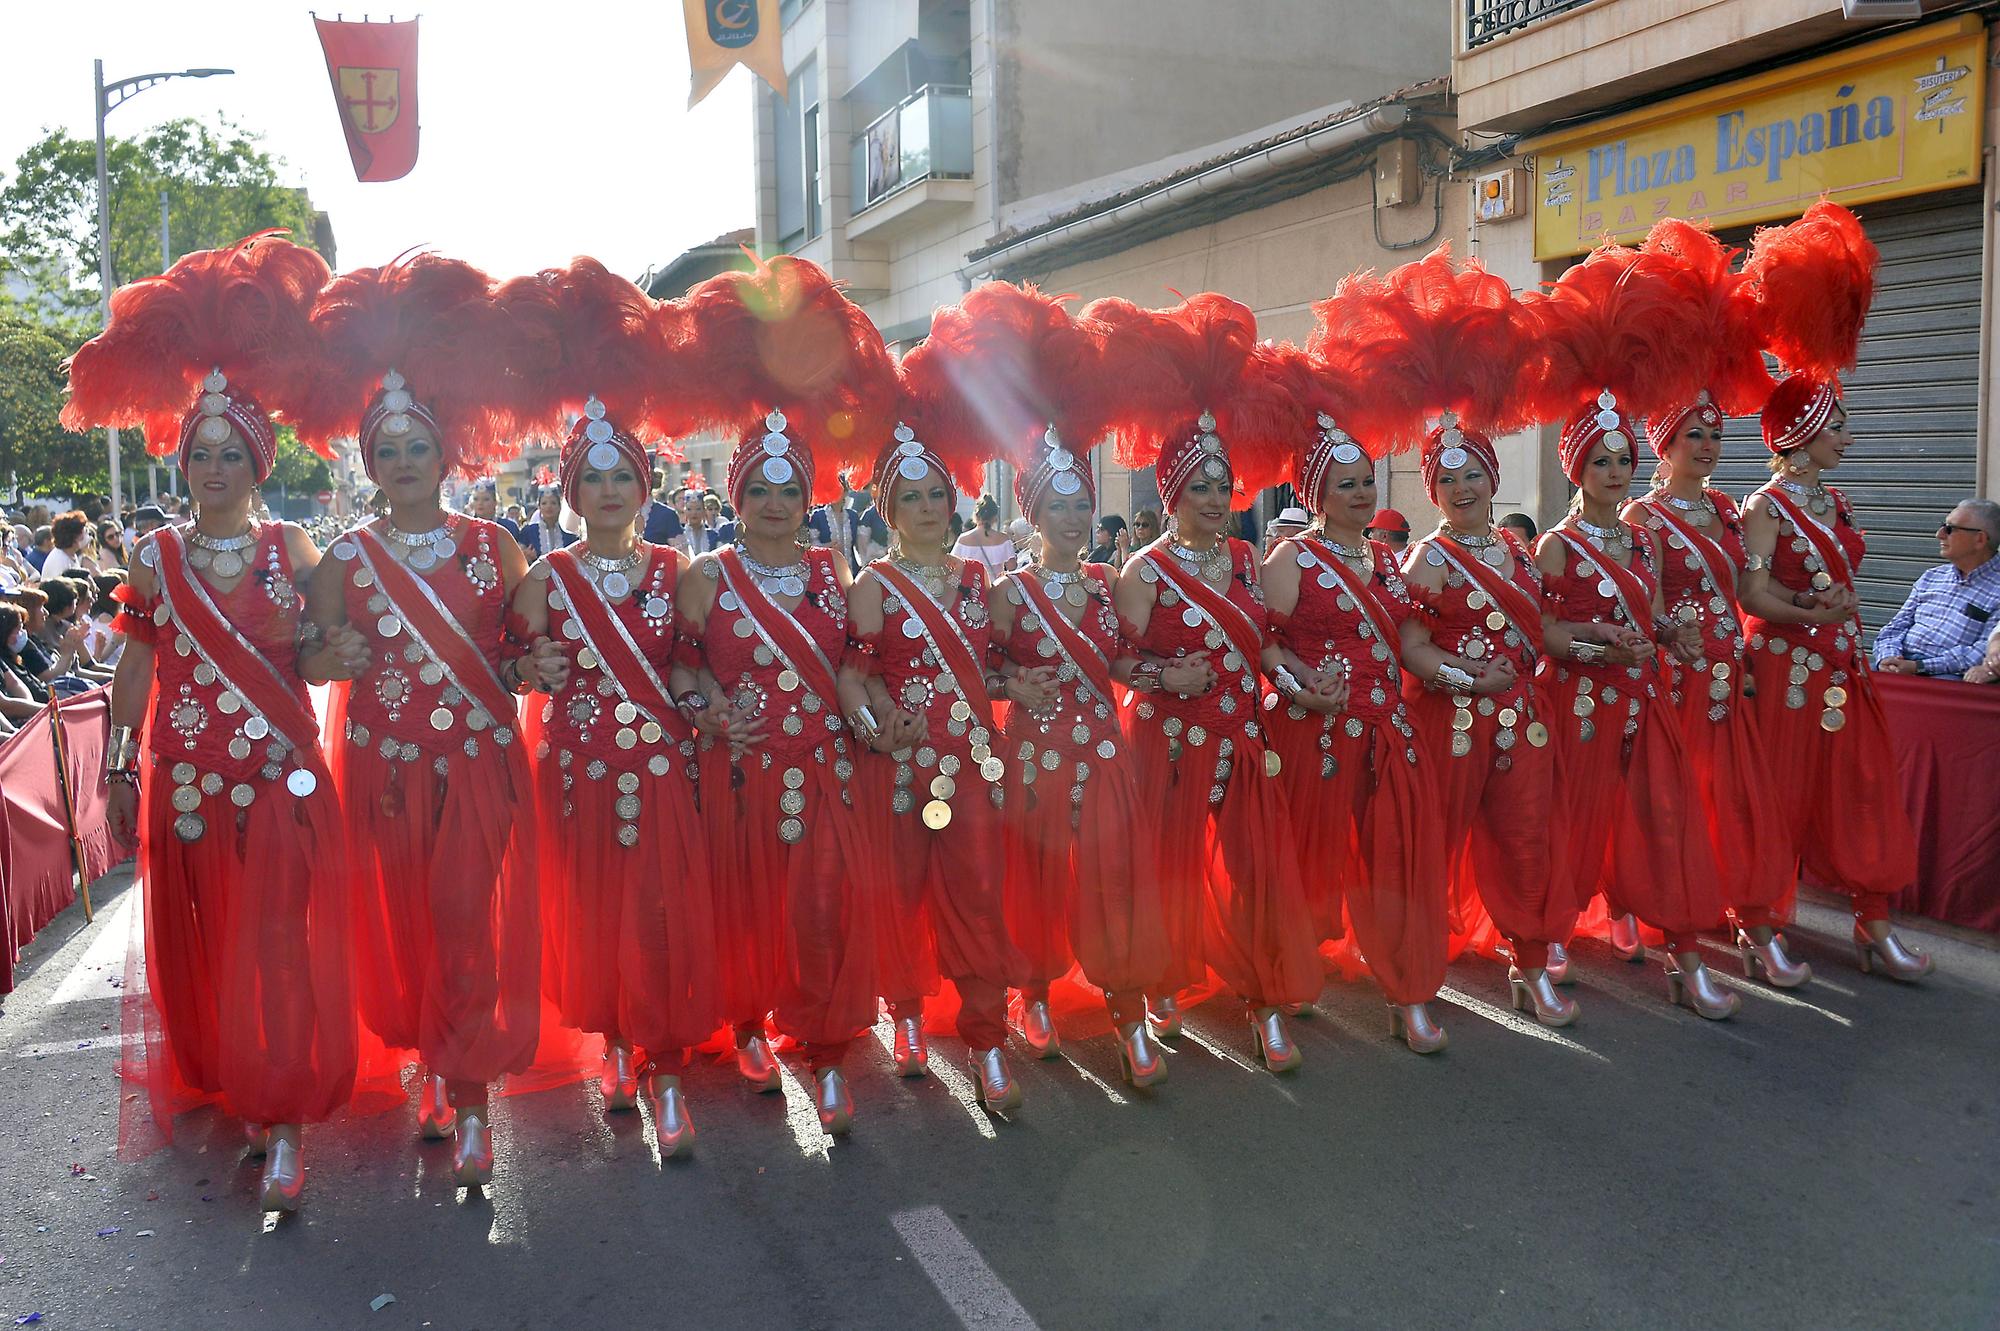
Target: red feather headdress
209, 339
1192, 394
420, 339
1733, 378
595, 347
1618, 336
1009, 372
1814, 280
786, 363
1322, 406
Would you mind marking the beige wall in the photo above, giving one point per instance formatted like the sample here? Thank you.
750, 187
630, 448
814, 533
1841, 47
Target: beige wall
1099, 86
1277, 260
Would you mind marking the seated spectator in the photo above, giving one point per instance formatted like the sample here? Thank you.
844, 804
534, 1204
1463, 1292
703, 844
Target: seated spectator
1944, 624
1524, 527
1289, 522
63, 632
148, 518
1109, 545
104, 644
110, 546
44, 546
1988, 670
69, 535
1145, 528
1390, 528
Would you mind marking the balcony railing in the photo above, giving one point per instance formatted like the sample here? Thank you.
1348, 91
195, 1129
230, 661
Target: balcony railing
927, 136
1487, 19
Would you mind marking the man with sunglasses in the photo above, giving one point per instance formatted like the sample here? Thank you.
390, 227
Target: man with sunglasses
1943, 626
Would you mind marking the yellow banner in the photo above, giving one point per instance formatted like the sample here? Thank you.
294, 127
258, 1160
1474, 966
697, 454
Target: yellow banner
1897, 117
723, 34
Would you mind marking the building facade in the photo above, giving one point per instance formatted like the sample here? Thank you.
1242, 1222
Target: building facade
1125, 147
1594, 117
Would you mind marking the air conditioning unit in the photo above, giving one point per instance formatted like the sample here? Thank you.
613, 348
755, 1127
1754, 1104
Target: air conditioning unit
1864, 11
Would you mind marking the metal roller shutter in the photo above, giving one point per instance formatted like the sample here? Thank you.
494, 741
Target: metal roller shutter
1913, 399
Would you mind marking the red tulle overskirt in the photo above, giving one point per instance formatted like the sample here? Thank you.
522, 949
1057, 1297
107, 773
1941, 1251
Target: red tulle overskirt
796, 922
1229, 872
1752, 850
629, 930
1837, 802
448, 933
1083, 883
248, 958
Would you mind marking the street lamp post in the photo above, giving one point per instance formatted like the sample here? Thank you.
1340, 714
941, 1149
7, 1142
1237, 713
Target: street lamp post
109, 96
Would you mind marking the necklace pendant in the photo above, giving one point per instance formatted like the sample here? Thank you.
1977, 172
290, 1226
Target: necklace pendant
1494, 555
200, 558
1075, 594
421, 557
228, 564
616, 585
792, 585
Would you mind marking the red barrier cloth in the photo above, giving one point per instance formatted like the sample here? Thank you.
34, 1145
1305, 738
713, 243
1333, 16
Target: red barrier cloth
37, 877
1946, 733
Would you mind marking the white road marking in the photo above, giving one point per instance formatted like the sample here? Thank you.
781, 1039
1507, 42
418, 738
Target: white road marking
77, 1046
1227, 1055
802, 1114
978, 1298
953, 1080
1778, 996
1110, 1092
103, 961
1515, 1022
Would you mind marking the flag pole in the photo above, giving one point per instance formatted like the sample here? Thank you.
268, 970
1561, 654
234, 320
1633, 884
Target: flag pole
69, 805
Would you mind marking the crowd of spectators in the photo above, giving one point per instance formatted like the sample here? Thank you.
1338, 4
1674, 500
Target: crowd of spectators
59, 571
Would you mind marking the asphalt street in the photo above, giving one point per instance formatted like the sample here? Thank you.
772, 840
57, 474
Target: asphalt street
1825, 1160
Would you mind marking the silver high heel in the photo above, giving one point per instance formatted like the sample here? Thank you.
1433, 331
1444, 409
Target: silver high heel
1558, 967
673, 1129
1165, 1014
284, 1171
1142, 1063
618, 1082
472, 1148
1274, 1041
1890, 957
836, 1106
1411, 1023
912, 1052
256, 1140
1538, 996
757, 1064
992, 1083
434, 1112
1625, 938
1694, 988
1769, 962
1038, 1028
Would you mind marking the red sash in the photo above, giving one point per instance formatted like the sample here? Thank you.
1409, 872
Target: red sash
1712, 556
605, 634
435, 628
1523, 615
240, 667
1075, 645
942, 631
1385, 628
1831, 552
783, 634
1239, 628
1626, 585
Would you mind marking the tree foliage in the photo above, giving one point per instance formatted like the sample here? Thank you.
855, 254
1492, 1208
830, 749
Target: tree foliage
34, 447
221, 185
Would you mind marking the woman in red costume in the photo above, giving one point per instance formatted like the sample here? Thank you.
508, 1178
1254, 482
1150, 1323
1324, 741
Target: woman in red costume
1198, 406
1082, 884
1700, 537
1369, 837
1823, 732
631, 933
916, 685
251, 1003
1615, 334
411, 613
1432, 337
793, 370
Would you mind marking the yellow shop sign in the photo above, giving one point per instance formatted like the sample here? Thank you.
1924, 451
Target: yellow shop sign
1901, 116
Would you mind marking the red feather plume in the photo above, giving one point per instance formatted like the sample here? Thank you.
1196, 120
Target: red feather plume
1623, 320
997, 370
783, 337
1814, 280
1733, 345
1429, 337
582, 332
243, 310
1169, 366
434, 321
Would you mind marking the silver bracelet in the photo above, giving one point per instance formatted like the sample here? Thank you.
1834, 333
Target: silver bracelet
1449, 676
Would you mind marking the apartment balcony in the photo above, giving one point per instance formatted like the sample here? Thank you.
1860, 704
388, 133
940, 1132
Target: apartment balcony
1487, 19
913, 164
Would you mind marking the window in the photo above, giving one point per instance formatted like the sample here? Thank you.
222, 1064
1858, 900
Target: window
797, 158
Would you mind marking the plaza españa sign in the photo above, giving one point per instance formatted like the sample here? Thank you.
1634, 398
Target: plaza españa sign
1897, 117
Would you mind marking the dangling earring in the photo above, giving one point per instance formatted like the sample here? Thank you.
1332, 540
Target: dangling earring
1795, 464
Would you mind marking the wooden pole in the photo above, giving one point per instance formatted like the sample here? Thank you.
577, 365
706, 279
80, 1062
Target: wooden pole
69, 805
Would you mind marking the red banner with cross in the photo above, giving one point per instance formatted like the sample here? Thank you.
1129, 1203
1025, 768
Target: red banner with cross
373, 67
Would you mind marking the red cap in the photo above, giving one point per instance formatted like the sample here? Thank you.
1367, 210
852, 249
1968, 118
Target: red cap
1388, 519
